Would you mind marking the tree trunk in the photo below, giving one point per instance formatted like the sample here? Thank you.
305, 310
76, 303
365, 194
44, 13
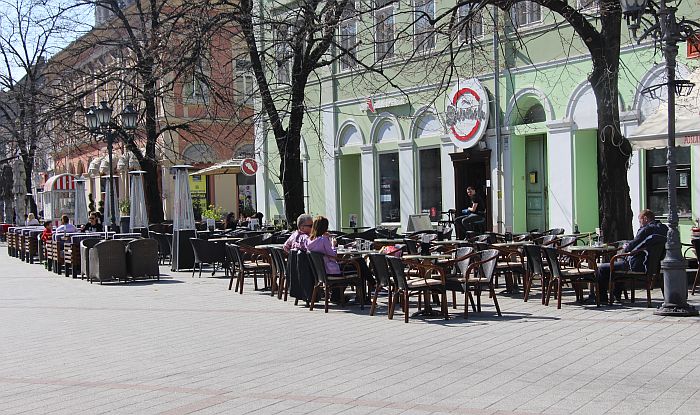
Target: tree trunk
291, 176
154, 203
28, 170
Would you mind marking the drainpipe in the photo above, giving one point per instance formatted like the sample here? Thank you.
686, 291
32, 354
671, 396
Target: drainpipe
497, 121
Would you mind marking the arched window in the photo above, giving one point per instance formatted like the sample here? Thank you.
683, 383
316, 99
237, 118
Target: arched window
198, 154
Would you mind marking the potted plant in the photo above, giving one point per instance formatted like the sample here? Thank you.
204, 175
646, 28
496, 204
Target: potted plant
212, 213
124, 207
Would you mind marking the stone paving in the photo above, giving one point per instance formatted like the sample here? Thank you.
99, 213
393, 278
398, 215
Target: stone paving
188, 345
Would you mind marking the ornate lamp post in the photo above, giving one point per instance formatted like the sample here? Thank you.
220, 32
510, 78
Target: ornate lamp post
661, 24
99, 121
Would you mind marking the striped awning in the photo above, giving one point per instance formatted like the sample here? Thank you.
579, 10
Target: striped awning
65, 181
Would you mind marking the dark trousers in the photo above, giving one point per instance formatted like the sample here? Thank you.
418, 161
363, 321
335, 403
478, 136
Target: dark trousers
466, 223
603, 277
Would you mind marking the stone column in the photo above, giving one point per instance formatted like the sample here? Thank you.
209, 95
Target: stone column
629, 121
368, 197
448, 174
407, 181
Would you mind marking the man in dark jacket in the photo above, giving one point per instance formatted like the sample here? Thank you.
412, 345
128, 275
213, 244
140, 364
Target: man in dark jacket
474, 212
651, 233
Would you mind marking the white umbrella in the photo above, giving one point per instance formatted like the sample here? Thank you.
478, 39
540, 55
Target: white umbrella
183, 215
108, 203
232, 166
137, 202
653, 132
81, 212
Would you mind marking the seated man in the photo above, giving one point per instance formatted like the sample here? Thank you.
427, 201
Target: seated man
300, 237
474, 213
650, 233
66, 226
93, 225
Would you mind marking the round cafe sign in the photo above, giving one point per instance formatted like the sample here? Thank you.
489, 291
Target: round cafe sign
467, 112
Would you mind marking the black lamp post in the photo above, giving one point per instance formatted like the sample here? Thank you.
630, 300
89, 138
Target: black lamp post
99, 121
661, 24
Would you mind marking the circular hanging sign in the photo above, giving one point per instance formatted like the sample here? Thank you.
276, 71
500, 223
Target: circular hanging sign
467, 112
249, 167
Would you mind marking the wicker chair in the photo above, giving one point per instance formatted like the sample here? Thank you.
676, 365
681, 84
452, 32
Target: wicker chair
85, 246
142, 259
107, 261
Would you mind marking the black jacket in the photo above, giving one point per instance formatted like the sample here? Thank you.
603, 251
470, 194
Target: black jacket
649, 236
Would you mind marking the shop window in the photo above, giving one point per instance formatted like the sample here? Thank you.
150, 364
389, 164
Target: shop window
424, 35
384, 29
657, 181
430, 183
389, 187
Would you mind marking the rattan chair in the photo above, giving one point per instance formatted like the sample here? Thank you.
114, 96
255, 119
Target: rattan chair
327, 282
107, 261
575, 276
654, 254
380, 270
142, 259
406, 287
85, 246
535, 270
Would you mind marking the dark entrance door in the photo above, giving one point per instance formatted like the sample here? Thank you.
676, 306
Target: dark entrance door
473, 168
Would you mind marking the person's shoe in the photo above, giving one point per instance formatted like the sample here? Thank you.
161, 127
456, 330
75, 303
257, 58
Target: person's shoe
590, 300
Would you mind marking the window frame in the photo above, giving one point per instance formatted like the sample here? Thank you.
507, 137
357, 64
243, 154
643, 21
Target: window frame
465, 25
282, 53
419, 199
348, 61
684, 191
389, 53
528, 5
423, 42
378, 185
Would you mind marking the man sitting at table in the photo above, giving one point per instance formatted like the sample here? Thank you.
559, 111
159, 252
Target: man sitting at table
651, 233
66, 226
474, 213
299, 238
93, 225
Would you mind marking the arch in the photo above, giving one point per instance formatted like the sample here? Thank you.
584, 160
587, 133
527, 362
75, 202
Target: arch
349, 134
198, 153
71, 168
426, 123
386, 128
523, 100
645, 105
578, 109
245, 151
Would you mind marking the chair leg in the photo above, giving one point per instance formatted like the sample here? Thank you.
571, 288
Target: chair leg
241, 280
495, 300
467, 296
327, 294
695, 282
526, 289
393, 305
374, 300
230, 283
549, 291
454, 299
313, 298
445, 312
405, 306
200, 269
194, 269
559, 294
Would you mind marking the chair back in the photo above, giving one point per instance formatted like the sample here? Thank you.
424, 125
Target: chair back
555, 231
207, 252
553, 261
277, 260
487, 266
380, 268
567, 241
233, 255
252, 240
397, 271
533, 253
655, 254
548, 240
696, 247
463, 265
412, 246
318, 267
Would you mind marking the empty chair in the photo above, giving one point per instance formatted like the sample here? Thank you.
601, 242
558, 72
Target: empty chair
405, 288
206, 252
535, 270
575, 276
163, 246
142, 259
241, 268
107, 261
456, 280
85, 246
279, 270
380, 270
480, 277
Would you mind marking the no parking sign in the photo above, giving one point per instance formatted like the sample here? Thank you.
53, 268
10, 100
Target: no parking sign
249, 167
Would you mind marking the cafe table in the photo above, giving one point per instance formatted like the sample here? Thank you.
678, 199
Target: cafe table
592, 253
513, 244
226, 239
428, 257
386, 242
266, 246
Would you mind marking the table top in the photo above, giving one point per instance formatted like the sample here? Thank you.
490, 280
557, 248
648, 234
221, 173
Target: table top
265, 246
228, 239
356, 252
440, 256
511, 244
356, 227
388, 241
592, 248
450, 242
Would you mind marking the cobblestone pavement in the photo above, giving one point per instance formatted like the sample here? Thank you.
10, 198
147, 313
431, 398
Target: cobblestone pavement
188, 345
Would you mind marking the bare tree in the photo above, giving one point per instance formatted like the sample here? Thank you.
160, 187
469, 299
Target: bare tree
159, 56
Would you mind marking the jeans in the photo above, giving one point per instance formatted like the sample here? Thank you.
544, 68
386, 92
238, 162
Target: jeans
603, 277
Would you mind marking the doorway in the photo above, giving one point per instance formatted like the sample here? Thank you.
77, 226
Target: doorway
473, 168
536, 182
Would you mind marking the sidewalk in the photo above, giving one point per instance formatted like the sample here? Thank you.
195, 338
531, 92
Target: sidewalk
188, 345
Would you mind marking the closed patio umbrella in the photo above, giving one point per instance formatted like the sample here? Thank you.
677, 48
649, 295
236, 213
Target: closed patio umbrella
108, 203
81, 212
137, 202
183, 221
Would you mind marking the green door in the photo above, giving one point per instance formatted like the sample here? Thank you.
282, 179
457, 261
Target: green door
350, 189
536, 182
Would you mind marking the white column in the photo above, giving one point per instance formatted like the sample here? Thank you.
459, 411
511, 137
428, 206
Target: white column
330, 168
369, 200
560, 191
629, 121
448, 174
407, 184
262, 192
507, 196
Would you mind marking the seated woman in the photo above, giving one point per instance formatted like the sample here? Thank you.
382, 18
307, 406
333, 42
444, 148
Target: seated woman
31, 220
93, 225
230, 221
319, 241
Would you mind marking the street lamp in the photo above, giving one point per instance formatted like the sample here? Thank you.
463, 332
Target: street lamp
662, 25
99, 122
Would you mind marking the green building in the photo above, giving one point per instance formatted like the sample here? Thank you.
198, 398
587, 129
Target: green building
383, 152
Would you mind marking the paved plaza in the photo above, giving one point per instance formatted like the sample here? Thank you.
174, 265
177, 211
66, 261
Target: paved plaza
188, 345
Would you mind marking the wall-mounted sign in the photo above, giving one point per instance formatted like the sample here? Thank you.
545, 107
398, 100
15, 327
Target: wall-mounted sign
467, 112
249, 167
